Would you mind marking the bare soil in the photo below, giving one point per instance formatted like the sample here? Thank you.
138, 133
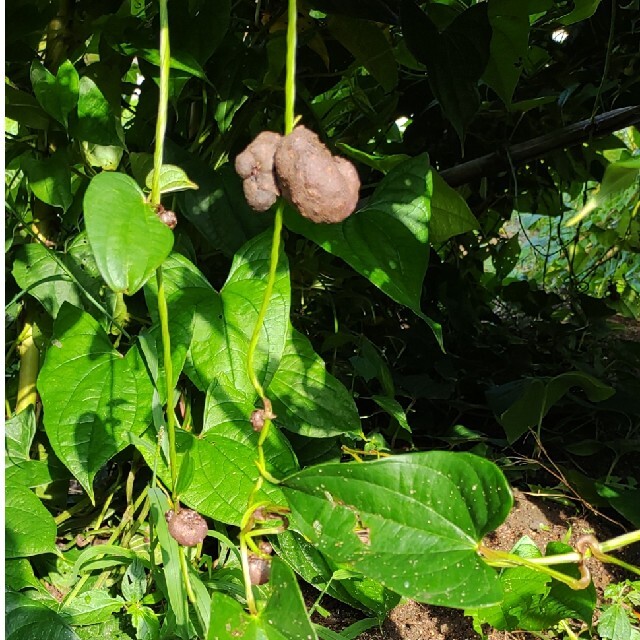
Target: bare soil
543, 520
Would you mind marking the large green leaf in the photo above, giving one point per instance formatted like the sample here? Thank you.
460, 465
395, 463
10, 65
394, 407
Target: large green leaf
509, 21
224, 467
28, 619
58, 95
306, 398
29, 527
93, 398
369, 46
128, 240
283, 618
420, 518
241, 299
387, 240
455, 59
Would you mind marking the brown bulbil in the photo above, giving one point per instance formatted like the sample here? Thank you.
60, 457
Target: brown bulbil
323, 187
166, 216
259, 569
187, 527
255, 166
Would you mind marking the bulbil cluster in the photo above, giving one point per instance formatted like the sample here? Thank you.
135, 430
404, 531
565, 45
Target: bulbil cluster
323, 187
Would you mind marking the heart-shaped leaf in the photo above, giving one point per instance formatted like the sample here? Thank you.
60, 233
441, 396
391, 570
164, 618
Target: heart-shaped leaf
127, 238
58, 95
93, 398
412, 522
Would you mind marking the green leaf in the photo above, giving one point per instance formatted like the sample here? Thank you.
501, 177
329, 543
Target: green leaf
226, 473
241, 299
369, 46
24, 108
357, 591
170, 581
19, 575
455, 59
229, 620
91, 607
285, 614
523, 404
93, 398
420, 517
29, 528
19, 431
582, 9
134, 582
195, 318
394, 409
614, 623
387, 240
306, 398
39, 271
27, 619
377, 162
105, 157
50, 179
58, 95
96, 121
127, 238
19, 468
172, 179
283, 618
450, 214
509, 21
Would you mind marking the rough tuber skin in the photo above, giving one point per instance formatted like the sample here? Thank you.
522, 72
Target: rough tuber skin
187, 527
323, 187
255, 166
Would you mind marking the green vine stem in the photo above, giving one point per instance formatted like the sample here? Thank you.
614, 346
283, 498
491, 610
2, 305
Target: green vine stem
586, 546
246, 534
163, 312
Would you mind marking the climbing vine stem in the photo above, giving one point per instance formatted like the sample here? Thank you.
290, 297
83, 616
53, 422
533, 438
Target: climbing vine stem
163, 313
289, 121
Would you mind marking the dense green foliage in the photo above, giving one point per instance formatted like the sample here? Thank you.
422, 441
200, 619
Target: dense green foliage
474, 324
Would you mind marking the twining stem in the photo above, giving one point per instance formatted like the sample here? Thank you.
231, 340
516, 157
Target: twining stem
289, 120
161, 122
163, 313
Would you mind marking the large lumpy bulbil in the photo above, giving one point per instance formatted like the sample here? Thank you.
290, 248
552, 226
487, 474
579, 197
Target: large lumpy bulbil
323, 187
187, 527
255, 166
